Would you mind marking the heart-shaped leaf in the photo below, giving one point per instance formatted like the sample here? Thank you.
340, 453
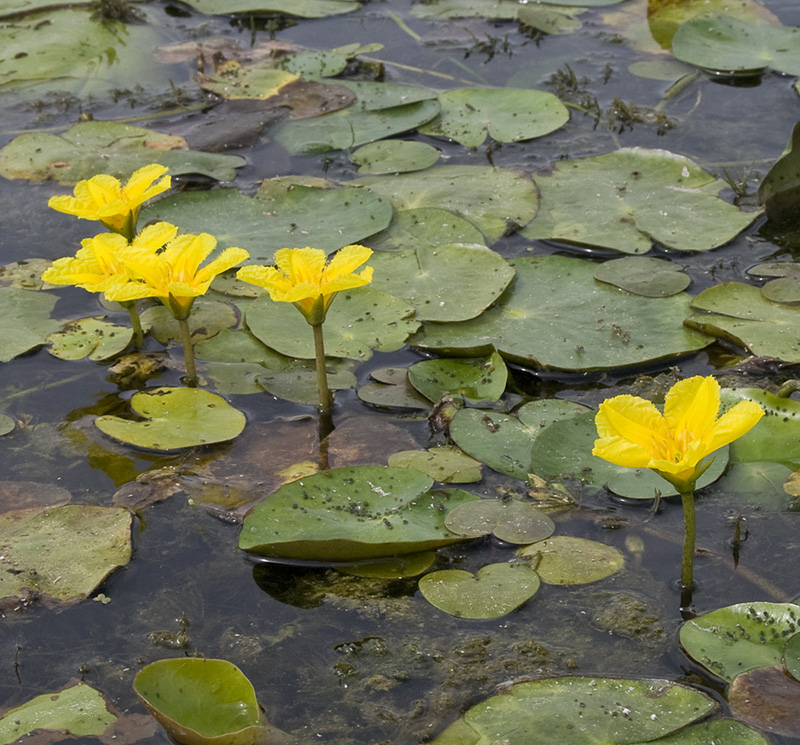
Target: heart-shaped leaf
445, 464
94, 338
510, 520
568, 560
25, 321
476, 380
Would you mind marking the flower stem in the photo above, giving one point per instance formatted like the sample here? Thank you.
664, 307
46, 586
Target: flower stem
136, 323
188, 352
325, 398
687, 565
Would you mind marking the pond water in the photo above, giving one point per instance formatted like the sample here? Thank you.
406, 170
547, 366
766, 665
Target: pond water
333, 657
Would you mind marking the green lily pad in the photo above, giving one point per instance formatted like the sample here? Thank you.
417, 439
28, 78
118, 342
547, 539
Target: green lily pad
492, 199
631, 198
433, 279
579, 711
94, 338
510, 520
201, 701
175, 418
768, 699
742, 637
551, 18
776, 436
791, 656
537, 322
62, 554
394, 156
566, 560
7, 424
779, 190
392, 567
25, 321
358, 321
282, 214
302, 8
504, 441
740, 314
315, 64
89, 148
77, 709
476, 380
425, 228
724, 44
493, 592
642, 275
208, 318
506, 115
714, 732
389, 387
239, 346
298, 382
373, 96
445, 9
784, 289
447, 465
346, 514
564, 449
235, 81
342, 130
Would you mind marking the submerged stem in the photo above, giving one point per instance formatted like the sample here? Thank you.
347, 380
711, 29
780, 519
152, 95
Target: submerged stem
188, 352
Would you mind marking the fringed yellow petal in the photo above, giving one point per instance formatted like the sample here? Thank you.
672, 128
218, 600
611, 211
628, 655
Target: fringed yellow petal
733, 424
691, 407
619, 451
633, 419
345, 261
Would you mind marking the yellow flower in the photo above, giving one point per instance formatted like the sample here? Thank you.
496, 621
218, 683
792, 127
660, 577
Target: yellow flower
303, 277
166, 267
104, 198
95, 267
634, 433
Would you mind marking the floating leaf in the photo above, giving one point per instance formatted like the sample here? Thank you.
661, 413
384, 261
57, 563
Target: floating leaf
209, 317
298, 382
77, 709
551, 19
566, 560
538, 322
779, 190
492, 199
742, 637
740, 314
714, 732
434, 279
791, 656
24, 321
200, 701
448, 465
346, 514
94, 338
90, 148
633, 197
425, 228
390, 388
580, 710
358, 321
642, 275
234, 81
510, 520
476, 380
175, 418
444, 9
7, 424
724, 44
503, 441
302, 8
62, 554
784, 289
768, 699
506, 115
494, 591
394, 156
282, 215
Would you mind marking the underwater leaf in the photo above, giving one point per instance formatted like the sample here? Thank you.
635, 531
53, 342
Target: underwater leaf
118, 150
434, 279
394, 156
201, 701
425, 228
779, 190
89, 337
7, 424
175, 418
476, 380
358, 322
504, 441
392, 567
330, 217
445, 464
298, 382
567, 560
510, 520
631, 198
768, 699
742, 637
723, 44
551, 18
791, 656
578, 711
506, 115
302, 8
445, 9
643, 275
741, 314
493, 592
24, 321
62, 554
492, 199
77, 709
351, 513
348, 128
389, 387
25, 274
537, 322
